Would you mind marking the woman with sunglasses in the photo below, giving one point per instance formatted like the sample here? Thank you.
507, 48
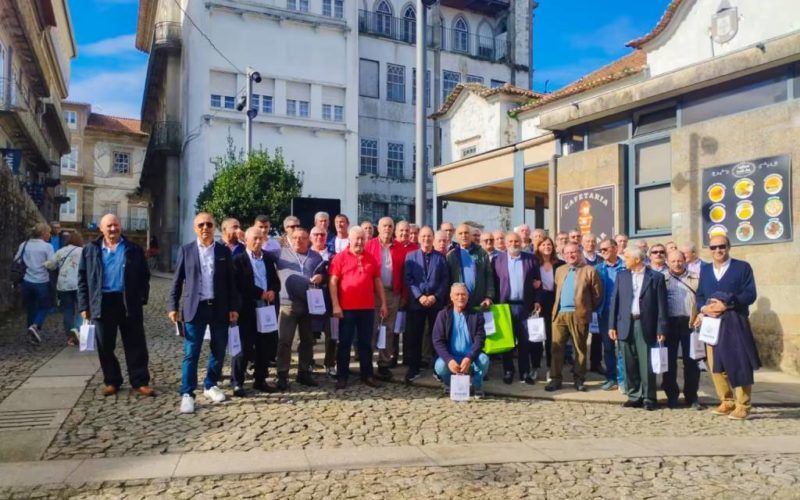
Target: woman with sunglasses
548, 263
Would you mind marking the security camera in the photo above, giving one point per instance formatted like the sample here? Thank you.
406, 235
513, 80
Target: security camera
256, 76
241, 104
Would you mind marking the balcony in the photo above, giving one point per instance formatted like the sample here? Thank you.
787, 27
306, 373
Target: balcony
166, 137
393, 28
167, 35
477, 46
17, 112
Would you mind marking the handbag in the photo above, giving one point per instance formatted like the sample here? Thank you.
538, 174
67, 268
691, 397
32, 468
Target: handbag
697, 348
659, 359
709, 330
266, 320
316, 301
502, 340
86, 339
18, 267
234, 341
536, 329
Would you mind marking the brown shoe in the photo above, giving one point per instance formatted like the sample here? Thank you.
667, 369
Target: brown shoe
371, 382
740, 413
145, 391
109, 390
723, 409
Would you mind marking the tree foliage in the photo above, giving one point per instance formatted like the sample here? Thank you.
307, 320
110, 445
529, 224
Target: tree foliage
246, 187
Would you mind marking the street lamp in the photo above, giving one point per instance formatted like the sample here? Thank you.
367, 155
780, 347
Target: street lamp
421, 135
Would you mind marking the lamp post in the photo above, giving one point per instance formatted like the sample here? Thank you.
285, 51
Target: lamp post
421, 132
253, 76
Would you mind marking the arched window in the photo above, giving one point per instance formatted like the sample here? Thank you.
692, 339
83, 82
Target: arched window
383, 19
410, 25
486, 44
460, 35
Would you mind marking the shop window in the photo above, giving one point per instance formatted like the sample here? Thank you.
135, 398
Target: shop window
649, 174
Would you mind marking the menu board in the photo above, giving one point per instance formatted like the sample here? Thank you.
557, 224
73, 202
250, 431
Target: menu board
588, 210
749, 201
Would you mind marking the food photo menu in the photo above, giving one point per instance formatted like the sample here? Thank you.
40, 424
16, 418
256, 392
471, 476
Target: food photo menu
749, 201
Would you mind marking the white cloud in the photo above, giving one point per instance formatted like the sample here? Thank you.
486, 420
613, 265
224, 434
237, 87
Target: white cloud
116, 93
109, 46
610, 39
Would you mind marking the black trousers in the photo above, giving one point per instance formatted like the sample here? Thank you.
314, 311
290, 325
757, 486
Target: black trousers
113, 317
529, 354
257, 348
548, 299
679, 336
416, 320
596, 352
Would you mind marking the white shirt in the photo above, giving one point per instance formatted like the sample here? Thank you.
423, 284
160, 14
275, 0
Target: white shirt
638, 281
206, 270
340, 244
720, 272
324, 253
259, 271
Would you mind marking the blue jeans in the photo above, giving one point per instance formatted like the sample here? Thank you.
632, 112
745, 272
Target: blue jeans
478, 369
193, 343
36, 297
356, 324
69, 310
615, 367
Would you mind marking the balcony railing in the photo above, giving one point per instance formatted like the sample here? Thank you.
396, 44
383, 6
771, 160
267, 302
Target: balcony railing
129, 224
386, 26
166, 137
167, 34
482, 47
16, 98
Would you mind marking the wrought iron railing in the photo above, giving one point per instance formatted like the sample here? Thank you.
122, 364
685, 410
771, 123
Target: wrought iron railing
387, 26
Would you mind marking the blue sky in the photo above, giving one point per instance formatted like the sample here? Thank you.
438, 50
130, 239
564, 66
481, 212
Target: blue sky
571, 38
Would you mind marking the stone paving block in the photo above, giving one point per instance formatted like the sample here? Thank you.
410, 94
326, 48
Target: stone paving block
42, 399
585, 449
36, 473
124, 469
483, 453
722, 445
67, 368
56, 382
240, 462
21, 446
356, 458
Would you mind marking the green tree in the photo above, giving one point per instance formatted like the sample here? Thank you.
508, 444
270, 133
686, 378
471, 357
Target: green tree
246, 187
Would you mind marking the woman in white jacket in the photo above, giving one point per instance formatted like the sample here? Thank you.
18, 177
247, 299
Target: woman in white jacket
67, 260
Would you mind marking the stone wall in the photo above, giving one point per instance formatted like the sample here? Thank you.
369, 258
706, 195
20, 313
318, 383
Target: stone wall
17, 218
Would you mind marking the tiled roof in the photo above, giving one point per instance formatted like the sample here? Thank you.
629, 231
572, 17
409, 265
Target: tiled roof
623, 67
661, 26
115, 123
484, 92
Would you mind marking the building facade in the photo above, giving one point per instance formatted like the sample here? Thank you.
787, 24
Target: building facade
101, 173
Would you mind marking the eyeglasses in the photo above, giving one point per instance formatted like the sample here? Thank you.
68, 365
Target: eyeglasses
717, 247
604, 250
201, 225
294, 226
318, 235
658, 252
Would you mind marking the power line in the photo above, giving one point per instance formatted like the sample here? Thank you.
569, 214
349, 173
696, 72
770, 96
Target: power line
208, 39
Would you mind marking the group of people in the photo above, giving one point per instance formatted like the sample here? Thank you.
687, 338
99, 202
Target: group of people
366, 285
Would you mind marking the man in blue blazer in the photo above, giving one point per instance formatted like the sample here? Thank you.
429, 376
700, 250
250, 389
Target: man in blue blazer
638, 319
516, 273
426, 277
204, 278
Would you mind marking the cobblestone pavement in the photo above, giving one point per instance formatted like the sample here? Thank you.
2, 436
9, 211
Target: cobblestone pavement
322, 418
769, 477
18, 357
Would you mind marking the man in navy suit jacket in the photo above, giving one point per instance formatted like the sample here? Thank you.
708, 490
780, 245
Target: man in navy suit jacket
638, 319
426, 278
204, 277
515, 273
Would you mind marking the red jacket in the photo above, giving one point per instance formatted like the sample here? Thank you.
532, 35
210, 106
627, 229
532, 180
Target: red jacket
398, 253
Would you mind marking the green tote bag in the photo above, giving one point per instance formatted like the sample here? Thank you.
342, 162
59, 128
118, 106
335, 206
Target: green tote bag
502, 340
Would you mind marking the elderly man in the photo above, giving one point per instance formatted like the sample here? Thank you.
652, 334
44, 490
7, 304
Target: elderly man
476, 235
516, 275
469, 264
426, 279
441, 243
575, 237
413, 233
230, 236
258, 286
369, 230
322, 324
355, 281
658, 259
339, 240
524, 231
322, 220
681, 312
449, 231
637, 319
608, 270
113, 288
402, 234
693, 262
645, 248
562, 238
204, 278
487, 243
579, 291
622, 242
458, 337
290, 223
589, 246
727, 289
499, 241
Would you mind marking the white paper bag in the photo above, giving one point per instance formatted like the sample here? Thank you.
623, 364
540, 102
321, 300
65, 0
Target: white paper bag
488, 323
400, 322
207, 334
234, 341
536, 331
316, 301
266, 321
697, 349
709, 330
594, 326
381, 337
659, 359
335, 329
86, 336
459, 387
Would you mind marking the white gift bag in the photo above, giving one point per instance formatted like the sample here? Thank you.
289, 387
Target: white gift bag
266, 320
659, 359
381, 337
709, 330
400, 322
234, 341
488, 323
207, 334
697, 348
335, 329
316, 301
536, 331
86, 336
459, 387
594, 326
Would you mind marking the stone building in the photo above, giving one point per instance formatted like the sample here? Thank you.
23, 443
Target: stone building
696, 131
101, 172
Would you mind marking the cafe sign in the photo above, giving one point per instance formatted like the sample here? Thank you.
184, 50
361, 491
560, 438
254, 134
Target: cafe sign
588, 210
750, 202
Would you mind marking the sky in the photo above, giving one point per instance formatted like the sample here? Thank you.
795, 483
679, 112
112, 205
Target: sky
571, 38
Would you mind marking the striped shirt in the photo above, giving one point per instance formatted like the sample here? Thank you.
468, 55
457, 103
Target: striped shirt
679, 296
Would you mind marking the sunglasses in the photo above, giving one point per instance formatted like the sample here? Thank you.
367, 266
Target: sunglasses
318, 235
658, 252
295, 226
205, 224
717, 247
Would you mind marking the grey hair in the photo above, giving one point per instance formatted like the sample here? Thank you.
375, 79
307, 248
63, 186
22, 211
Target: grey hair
635, 253
321, 215
439, 234
459, 285
355, 231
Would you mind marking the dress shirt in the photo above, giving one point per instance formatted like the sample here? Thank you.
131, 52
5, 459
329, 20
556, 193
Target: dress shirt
467, 269
206, 270
638, 281
386, 266
460, 342
720, 272
515, 277
594, 259
678, 299
568, 291
548, 278
259, 270
113, 267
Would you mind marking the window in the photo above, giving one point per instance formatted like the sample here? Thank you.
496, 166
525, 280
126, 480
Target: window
369, 156
69, 162
469, 151
449, 81
608, 133
230, 102
332, 113
291, 107
379, 209
654, 121
369, 78
410, 25
338, 113
266, 104
255, 101
395, 83
301, 5
303, 109
327, 112
216, 101
327, 8
650, 171
497, 83
394, 160
296, 108
109, 207
427, 88
138, 219
122, 163
71, 117
383, 19
574, 141
460, 35
69, 210
338, 9
474, 79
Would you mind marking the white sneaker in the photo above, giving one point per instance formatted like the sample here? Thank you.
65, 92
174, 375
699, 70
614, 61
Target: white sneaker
215, 394
34, 335
187, 404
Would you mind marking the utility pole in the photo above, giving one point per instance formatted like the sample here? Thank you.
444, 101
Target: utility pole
253, 76
421, 128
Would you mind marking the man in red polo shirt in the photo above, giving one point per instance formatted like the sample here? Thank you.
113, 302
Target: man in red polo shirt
355, 280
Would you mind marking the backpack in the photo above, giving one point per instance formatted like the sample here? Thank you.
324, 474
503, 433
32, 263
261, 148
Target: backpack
18, 267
